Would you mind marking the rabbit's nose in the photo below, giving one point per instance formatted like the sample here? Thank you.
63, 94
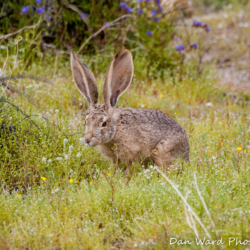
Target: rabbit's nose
87, 138
87, 141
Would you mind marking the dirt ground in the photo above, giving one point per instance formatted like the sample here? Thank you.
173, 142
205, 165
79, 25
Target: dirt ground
230, 42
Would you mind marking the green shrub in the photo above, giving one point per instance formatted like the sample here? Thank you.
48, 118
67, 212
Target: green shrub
145, 28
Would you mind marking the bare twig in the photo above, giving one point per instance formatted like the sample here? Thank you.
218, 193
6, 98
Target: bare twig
36, 78
21, 112
54, 125
15, 90
19, 31
46, 119
101, 29
199, 70
85, 19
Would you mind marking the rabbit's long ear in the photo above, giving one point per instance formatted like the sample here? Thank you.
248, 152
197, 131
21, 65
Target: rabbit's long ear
84, 80
118, 78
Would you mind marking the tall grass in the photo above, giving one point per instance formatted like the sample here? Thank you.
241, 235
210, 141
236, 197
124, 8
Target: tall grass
58, 194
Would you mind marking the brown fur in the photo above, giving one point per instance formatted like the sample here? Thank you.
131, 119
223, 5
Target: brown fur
130, 134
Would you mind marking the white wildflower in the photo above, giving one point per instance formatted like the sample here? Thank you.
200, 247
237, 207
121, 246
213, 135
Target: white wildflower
209, 104
81, 140
43, 159
78, 154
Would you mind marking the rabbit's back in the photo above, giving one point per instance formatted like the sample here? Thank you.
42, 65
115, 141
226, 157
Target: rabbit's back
139, 132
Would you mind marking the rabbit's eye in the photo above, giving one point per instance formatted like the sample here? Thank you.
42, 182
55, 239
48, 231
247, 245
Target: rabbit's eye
104, 124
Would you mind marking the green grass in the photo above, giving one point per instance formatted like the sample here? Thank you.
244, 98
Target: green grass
53, 199
56, 193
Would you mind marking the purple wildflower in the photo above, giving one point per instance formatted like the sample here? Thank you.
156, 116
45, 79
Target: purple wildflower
148, 1
158, 2
156, 19
140, 11
179, 47
128, 10
197, 23
40, 10
194, 45
160, 8
25, 10
107, 23
39, 1
49, 18
149, 33
154, 12
84, 15
139, 1
207, 28
123, 4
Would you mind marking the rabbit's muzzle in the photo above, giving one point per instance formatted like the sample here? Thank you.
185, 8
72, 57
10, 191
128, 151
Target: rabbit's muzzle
90, 140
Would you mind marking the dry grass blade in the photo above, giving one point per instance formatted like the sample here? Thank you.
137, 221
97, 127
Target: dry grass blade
190, 220
204, 204
184, 200
194, 227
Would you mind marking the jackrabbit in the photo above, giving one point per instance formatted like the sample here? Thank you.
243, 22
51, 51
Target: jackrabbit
126, 134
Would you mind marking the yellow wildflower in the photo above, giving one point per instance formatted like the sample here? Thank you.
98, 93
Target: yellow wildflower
245, 151
109, 174
18, 195
215, 206
90, 182
71, 180
239, 148
161, 95
43, 178
23, 168
228, 146
221, 143
65, 208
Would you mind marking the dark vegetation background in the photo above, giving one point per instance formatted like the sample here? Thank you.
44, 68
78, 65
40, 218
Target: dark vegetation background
148, 28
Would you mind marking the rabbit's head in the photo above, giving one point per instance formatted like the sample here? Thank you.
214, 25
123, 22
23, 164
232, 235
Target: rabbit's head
101, 122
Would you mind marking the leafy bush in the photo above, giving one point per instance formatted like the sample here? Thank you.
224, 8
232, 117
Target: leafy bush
147, 28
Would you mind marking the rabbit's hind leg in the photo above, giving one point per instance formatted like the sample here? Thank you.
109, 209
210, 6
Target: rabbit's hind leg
162, 153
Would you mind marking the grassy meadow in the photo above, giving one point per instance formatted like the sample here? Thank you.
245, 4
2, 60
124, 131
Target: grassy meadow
56, 193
